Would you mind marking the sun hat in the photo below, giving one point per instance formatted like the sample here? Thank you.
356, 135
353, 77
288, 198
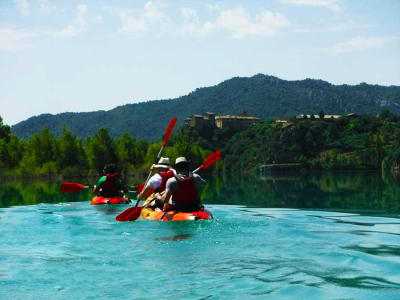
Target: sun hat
180, 160
163, 163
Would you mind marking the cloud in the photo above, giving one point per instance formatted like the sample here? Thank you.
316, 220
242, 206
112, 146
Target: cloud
45, 6
359, 44
236, 21
349, 25
192, 25
140, 22
23, 6
78, 25
12, 38
26, 7
99, 19
334, 5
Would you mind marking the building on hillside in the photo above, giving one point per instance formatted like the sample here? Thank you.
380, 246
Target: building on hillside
232, 122
326, 117
282, 122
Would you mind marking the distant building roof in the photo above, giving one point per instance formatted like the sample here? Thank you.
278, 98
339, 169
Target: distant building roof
237, 117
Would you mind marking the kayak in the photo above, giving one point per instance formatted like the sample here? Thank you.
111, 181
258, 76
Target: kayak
173, 215
98, 200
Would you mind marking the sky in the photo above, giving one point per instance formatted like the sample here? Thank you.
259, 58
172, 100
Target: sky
87, 55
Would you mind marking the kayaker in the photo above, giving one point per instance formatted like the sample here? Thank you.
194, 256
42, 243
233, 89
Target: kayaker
162, 172
181, 193
111, 184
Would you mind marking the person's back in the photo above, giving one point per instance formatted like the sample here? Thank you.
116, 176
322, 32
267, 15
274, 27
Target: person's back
183, 188
110, 185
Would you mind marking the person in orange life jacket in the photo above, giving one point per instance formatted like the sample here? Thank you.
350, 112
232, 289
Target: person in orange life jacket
181, 191
158, 181
111, 184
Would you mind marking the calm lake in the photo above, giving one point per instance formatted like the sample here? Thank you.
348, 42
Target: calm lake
308, 235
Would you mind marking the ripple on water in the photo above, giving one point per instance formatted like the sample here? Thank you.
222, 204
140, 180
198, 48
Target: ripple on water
74, 251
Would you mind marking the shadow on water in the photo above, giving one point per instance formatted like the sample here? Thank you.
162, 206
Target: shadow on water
178, 237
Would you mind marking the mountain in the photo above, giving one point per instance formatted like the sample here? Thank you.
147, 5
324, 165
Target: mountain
260, 95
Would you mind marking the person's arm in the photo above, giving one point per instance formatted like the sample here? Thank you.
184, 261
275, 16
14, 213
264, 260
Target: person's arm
97, 187
199, 182
152, 185
122, 187
146, 192
171, 187
164, 198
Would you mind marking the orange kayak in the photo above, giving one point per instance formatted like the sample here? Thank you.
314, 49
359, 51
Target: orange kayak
172, 215
98, 200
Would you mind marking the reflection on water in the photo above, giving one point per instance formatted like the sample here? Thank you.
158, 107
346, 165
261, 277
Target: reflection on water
28, 193
308, 190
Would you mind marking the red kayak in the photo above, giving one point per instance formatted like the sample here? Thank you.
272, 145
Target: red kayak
98, 200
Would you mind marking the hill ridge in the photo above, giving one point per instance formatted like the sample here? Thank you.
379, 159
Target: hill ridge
263, 96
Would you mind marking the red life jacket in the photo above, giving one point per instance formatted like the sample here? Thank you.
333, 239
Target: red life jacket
111, 185
186, 198
164, 176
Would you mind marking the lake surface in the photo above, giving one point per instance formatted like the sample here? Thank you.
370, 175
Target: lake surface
309, 236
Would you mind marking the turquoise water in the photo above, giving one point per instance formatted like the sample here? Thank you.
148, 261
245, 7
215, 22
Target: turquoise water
71, 250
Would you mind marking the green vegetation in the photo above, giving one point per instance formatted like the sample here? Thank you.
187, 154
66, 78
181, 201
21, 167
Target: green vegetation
349, 143
354, 142
261, 96
44, 155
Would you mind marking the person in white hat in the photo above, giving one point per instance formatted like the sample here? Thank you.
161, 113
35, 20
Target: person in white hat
181, 192
158, 181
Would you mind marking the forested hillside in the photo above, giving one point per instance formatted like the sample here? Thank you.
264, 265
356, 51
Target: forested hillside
262, 96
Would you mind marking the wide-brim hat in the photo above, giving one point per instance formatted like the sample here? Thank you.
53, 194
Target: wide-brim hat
180, 160
163, 163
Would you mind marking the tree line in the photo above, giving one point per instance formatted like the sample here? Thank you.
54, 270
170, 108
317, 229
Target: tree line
44, 154
358, 142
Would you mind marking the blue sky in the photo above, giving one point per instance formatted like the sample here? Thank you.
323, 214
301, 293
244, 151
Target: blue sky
86, 55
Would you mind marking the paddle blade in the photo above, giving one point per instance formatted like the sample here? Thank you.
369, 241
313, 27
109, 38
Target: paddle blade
210, 162
212, 156
168, 131
130, 214
71, 187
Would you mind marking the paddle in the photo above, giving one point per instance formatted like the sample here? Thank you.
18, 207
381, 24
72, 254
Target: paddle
133, 213
72, 187
211, 159
166, 137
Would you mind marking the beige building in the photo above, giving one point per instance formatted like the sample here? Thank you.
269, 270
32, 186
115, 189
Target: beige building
232, 122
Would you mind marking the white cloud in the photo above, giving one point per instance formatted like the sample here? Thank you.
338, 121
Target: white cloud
45, 6
27, 7
15, 39
99, 19
359, 44
23, 6
10, 38
334, 5
192, 25
236, 21
349, 25
139, 23
78, 25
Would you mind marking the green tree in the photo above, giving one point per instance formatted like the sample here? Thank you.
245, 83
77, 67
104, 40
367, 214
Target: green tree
71, 156
101, 150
